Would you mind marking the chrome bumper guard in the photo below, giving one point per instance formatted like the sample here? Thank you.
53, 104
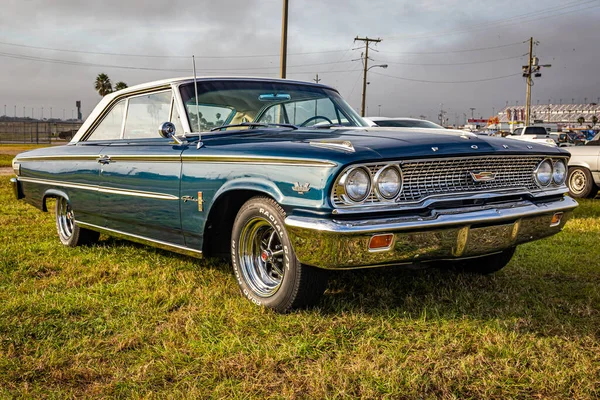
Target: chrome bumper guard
16, 185
446, 234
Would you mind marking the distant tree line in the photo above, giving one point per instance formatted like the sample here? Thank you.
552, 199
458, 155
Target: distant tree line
104, 86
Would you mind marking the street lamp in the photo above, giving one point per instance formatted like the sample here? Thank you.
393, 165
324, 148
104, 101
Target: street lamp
364, 93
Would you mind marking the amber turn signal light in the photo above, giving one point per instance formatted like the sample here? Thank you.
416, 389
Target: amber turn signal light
381, 242
556, 218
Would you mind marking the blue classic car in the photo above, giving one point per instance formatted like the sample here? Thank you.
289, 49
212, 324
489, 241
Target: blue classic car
288, 180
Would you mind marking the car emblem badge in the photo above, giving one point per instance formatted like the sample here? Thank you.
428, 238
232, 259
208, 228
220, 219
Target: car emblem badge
474, 147
505, 146
301, 188
483, 176
434, 149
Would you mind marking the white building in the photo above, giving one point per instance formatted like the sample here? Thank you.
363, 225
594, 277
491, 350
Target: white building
554, 116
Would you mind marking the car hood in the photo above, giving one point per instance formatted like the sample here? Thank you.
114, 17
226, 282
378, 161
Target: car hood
367, 144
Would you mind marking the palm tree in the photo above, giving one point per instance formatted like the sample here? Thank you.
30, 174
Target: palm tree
120, 85
580, 120
103, 85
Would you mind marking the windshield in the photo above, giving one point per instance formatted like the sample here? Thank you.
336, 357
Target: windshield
407, 123
226, 102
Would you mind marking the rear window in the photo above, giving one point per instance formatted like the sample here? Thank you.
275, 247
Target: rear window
536, 130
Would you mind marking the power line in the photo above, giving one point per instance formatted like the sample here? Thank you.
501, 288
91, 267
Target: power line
449, 64
448, 82
163, 56
87, 64
452, 51
527, 17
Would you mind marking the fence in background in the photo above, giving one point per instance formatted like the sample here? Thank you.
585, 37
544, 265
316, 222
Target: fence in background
37, 131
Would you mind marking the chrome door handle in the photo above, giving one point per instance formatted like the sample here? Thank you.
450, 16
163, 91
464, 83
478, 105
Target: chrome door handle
103, 159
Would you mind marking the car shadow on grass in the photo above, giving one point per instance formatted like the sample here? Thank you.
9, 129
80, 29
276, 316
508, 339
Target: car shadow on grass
523, 301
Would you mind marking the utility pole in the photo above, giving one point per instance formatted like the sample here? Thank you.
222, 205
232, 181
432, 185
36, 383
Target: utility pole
317, 80
365, 68
283, 55
472, 109
532, 69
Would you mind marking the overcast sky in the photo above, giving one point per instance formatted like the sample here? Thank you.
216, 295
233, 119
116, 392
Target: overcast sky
322, 31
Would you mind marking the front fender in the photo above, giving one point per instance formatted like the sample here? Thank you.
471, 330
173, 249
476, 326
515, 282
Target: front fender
251, 183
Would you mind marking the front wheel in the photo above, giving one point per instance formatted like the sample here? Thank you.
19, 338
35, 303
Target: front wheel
581, 183
69, 233
264, 263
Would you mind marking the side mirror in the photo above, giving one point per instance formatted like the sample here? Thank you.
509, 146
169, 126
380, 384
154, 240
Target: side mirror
166, 130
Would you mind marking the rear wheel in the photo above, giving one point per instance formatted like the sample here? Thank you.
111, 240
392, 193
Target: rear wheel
487, 264
581, 183
264, 263
69, 233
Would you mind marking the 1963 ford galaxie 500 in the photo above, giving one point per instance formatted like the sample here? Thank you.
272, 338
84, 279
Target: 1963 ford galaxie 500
287, 179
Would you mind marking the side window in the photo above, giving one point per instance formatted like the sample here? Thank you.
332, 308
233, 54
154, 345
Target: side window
110, 127
145, 113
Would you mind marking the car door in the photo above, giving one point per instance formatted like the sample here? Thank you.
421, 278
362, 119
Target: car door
141, 171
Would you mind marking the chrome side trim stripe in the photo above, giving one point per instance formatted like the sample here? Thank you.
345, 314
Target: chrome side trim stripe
192, 158
259, 160
143, 240
101, 189
62, 158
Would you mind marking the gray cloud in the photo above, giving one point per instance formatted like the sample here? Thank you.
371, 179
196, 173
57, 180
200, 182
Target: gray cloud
228, 28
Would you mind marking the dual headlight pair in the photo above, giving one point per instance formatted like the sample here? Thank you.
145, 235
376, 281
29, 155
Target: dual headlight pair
550, 172
357, 183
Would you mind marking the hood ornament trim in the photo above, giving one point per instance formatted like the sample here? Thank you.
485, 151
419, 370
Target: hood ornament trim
344, 145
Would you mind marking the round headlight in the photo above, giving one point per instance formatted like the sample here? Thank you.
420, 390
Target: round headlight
560, 172
358, 184
543, 173
388, 182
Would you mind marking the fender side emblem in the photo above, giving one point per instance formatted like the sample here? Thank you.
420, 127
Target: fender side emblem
301, 188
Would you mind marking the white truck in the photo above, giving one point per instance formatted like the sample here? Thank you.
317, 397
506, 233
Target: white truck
537, 134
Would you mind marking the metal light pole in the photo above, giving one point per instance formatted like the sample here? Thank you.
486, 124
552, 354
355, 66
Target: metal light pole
379, 112
283, 55
364, 93
472, 109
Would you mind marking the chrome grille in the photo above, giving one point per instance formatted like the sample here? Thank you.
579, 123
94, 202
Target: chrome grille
426, 178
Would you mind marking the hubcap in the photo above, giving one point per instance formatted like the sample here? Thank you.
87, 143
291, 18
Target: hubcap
577, 182
261, 257
64, 216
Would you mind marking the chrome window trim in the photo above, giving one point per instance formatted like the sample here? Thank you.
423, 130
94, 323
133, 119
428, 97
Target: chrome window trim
100, 116
101, 189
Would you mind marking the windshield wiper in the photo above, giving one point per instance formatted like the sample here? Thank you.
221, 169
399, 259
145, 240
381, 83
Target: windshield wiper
324, 126
252, 125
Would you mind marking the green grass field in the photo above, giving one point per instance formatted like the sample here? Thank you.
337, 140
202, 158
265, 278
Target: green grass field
9, 151
122, 320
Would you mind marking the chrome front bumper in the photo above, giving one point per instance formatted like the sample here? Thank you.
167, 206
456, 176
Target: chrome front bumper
445, 234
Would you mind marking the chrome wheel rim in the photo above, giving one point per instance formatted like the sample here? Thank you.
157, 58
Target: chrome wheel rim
261, 257
577, 182
64, 216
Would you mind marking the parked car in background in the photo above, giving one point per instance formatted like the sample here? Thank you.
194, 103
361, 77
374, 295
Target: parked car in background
570, 138
247, 167
584, 169
535, 134
387, 122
